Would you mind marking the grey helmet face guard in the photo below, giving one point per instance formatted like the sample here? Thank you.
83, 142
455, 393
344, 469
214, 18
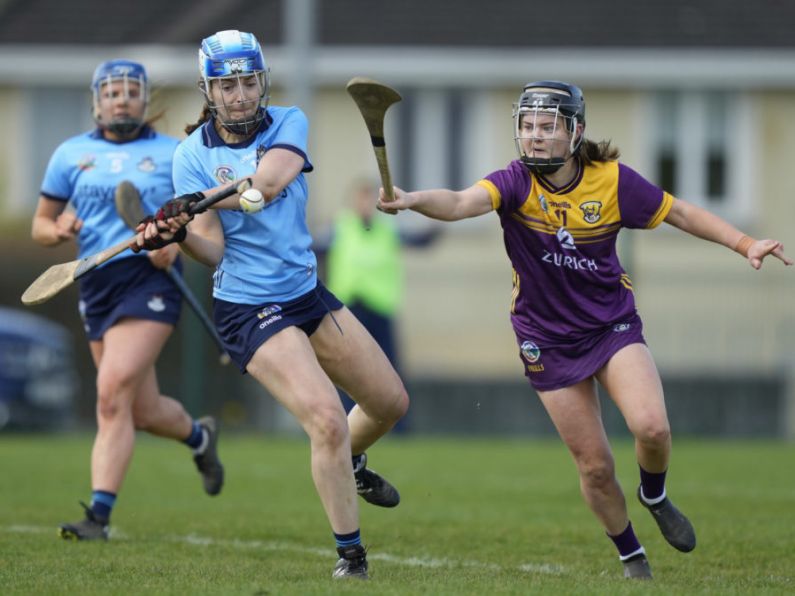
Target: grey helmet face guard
125, 71
566, 104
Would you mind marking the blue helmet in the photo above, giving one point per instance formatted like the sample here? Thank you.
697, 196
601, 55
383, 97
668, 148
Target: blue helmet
234, 55
126, 71
550, 97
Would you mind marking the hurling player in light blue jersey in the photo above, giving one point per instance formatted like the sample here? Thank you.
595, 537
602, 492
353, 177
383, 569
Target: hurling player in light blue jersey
279, 323
561, 206
129, 306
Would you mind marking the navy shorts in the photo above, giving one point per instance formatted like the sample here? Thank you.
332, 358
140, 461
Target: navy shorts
245, 327
130, 287
555, 366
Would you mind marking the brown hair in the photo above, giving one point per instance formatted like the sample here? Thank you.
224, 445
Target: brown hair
203, 117
590, 151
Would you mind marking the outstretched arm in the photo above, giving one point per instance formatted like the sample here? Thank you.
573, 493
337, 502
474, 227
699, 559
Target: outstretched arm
441, 203
703, 224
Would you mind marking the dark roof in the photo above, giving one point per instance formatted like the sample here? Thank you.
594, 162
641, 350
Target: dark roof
497, 23
569, 23
101, 22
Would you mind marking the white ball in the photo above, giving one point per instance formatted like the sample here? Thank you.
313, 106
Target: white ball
251, 201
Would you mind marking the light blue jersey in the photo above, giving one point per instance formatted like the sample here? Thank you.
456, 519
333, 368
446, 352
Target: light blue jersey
267, 255
85, 171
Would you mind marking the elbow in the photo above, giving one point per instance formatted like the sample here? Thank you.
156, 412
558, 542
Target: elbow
40, 238
270, 192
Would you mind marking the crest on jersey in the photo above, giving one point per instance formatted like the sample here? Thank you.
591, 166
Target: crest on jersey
87, 162
530, 351
542, 200
147, 164
565, 238
224, 174
591, 211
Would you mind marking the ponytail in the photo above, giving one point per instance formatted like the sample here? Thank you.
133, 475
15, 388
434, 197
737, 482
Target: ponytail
590, 152
203, 117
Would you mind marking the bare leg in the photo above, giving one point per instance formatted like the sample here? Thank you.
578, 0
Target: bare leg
355, 362
287, 367
124, 359
159, 414
633, 383
576, 414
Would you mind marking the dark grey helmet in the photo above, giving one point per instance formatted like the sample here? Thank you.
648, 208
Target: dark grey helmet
550, 97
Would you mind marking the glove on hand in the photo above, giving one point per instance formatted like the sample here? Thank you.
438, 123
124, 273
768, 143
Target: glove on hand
181, 204
158, 241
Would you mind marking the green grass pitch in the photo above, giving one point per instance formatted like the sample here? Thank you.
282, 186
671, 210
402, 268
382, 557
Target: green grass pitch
482, 516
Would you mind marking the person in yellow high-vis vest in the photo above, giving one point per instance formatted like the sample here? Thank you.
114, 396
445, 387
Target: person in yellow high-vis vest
364, 268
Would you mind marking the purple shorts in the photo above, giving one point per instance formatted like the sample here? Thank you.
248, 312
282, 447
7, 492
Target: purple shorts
245, 327
131, 287
551, 366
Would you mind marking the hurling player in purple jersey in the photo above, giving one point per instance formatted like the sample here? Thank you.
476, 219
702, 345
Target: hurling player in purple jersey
561, 206
129, 306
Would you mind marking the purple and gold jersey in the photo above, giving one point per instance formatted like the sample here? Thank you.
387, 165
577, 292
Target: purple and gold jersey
567, 280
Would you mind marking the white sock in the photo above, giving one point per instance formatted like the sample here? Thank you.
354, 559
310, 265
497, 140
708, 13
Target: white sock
659, 499
640, 551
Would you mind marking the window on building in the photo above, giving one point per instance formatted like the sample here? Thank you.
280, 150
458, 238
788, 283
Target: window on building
694, 156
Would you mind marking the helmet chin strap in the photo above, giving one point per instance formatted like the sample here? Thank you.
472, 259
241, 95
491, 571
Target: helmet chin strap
553, 164
124, 127
547, 166
544, 168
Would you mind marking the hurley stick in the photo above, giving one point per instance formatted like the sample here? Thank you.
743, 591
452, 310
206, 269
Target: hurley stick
373, 99
129, 207
60, 276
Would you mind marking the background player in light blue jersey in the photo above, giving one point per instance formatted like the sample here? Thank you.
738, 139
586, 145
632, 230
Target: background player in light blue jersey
279, 323
561, 206
129, 306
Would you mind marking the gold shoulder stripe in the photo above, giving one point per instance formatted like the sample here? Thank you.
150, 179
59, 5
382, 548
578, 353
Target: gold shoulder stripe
494, 192
662, 211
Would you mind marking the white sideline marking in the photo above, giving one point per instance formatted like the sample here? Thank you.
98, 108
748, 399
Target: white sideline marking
545, 568
273, 545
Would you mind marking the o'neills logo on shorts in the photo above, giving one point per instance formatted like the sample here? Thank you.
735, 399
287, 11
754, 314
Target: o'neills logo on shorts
270, 314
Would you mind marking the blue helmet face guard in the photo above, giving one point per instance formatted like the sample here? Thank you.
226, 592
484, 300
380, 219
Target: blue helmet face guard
543, 108
127, 73
234, 79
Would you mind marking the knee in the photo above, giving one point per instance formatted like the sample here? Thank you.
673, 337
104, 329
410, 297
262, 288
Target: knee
392, 407
113, 397
399, 405
328, 428
597, 473
654, 434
